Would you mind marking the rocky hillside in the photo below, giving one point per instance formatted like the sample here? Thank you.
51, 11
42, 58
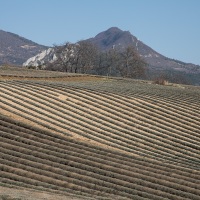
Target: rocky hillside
116, 38
177, 71
15, 49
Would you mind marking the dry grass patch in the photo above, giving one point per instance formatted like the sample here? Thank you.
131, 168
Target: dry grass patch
28, 194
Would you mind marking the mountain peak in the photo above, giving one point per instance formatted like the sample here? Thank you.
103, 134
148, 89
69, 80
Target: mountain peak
109, 32
113, 30
112, 36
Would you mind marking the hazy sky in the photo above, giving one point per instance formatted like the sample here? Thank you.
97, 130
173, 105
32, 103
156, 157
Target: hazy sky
171, 27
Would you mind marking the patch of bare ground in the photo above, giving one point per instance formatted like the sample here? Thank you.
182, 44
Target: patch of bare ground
24, 120
56, 79
28, 194
74, 135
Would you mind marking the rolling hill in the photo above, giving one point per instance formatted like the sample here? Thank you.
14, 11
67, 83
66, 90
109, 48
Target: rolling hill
91, 137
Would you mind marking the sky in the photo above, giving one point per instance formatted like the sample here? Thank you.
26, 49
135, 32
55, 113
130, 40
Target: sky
170, 27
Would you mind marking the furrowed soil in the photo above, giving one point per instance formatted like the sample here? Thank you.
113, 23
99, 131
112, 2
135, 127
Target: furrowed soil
76, 136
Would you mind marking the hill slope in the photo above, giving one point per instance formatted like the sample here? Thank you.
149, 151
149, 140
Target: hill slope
100, 138
116, 38
175, 70
15, 49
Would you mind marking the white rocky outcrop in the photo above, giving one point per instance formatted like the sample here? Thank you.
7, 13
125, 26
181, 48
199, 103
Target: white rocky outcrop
41, 58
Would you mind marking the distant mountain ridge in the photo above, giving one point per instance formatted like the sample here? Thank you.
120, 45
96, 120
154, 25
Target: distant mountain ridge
15, 49
116, 38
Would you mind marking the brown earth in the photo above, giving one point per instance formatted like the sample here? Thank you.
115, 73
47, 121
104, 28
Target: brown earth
28, 194
62, 79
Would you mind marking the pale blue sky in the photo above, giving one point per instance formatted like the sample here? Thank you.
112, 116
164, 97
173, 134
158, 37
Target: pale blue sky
171, 27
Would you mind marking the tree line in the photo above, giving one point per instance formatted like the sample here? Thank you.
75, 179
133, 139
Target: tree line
85, 57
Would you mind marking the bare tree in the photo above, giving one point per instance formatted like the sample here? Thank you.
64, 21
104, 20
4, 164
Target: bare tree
84, 57
79, 57
132, 64
108, 62
65, 56
86, 54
